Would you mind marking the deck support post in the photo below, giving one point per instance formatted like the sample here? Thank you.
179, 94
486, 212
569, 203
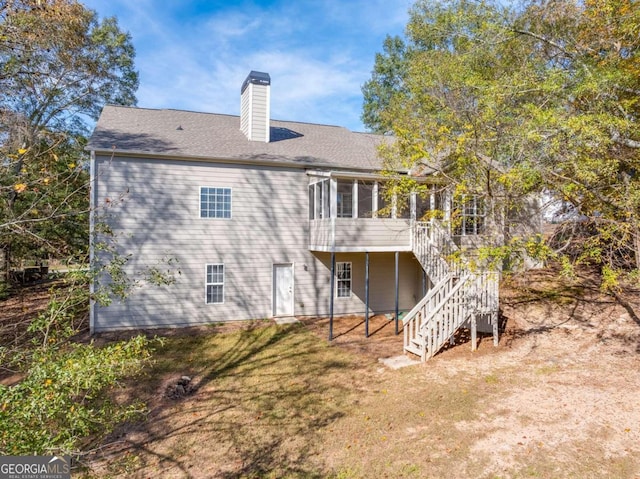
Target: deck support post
474, 332
366, 295
333, 272
397, 287
424, 283
494, 323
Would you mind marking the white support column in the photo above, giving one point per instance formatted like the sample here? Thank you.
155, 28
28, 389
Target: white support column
354, 203
333, 197
448, 206
432, 198
474, 332
413, 206
374, 200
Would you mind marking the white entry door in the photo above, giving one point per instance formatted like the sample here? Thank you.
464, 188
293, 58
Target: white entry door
283, 290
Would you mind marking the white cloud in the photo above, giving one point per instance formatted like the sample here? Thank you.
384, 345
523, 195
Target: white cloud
318, 53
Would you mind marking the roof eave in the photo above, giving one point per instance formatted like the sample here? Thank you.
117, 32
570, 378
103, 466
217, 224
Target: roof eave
240, 161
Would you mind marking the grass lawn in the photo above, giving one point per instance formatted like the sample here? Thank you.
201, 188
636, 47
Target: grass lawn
280, 401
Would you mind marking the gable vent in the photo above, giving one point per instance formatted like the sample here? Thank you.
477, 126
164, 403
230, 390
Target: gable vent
254, 106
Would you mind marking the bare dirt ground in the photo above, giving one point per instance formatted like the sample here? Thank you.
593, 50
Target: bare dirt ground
568, 364
558, 398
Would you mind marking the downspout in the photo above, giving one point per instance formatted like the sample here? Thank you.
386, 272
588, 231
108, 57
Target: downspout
366, 294
93, 191
397, 278
333, 189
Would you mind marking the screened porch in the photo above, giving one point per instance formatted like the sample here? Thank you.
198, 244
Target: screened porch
349, 214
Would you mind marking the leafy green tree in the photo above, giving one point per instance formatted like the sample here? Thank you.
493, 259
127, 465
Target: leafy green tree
386, 81
58, 66
508, 102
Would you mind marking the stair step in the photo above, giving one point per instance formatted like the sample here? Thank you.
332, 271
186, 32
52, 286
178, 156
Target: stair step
413, 350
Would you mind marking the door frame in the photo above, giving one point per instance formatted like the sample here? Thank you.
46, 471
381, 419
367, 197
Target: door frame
274, 285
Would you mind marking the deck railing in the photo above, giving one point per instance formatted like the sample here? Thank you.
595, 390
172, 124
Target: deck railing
458, 295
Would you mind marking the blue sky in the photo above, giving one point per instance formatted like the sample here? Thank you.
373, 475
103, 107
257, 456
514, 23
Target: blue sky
195, 54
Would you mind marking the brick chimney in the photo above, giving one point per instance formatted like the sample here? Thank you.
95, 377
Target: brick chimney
254, 106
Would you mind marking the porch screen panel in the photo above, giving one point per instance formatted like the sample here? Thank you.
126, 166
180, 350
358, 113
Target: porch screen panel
403, 206
384, 208
423, 203
365, 200
345, 199
318, 201
326, 199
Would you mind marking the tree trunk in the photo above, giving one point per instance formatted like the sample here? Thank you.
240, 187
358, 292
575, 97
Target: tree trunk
636, 244
5, 262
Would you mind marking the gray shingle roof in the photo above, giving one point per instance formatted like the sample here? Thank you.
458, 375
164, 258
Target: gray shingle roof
175, 133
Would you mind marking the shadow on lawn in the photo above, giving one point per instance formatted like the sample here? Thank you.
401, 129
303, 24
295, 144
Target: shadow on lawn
259, 404
543, 300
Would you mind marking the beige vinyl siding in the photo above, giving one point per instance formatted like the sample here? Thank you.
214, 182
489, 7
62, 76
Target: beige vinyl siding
154, 209
381, 282
380, 234
254, 106
160, 217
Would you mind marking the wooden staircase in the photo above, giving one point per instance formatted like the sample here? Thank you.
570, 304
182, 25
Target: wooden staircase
459, 296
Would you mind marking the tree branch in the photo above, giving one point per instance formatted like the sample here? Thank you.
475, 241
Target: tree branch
628, 142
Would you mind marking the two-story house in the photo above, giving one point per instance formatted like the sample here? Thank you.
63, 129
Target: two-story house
265, 219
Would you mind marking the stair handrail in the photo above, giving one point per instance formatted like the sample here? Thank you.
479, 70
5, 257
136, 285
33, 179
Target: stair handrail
457, 285
428, 297
461, 282
427, 251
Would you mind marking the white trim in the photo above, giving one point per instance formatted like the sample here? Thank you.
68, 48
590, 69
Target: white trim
267, 130
374, 200
333, 198
413, 206
356, 175
250, 113
273, 288
212, 217
318, 175
207, 284
354, 199
120, 154
361, 249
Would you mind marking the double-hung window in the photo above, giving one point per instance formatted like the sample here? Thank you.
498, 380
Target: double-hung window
215, 202
214, 284
471, 211
343, 280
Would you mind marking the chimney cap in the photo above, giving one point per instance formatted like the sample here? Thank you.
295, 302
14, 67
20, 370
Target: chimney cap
257, 78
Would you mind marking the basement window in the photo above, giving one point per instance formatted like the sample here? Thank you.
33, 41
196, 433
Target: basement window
214, 284
343, 280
